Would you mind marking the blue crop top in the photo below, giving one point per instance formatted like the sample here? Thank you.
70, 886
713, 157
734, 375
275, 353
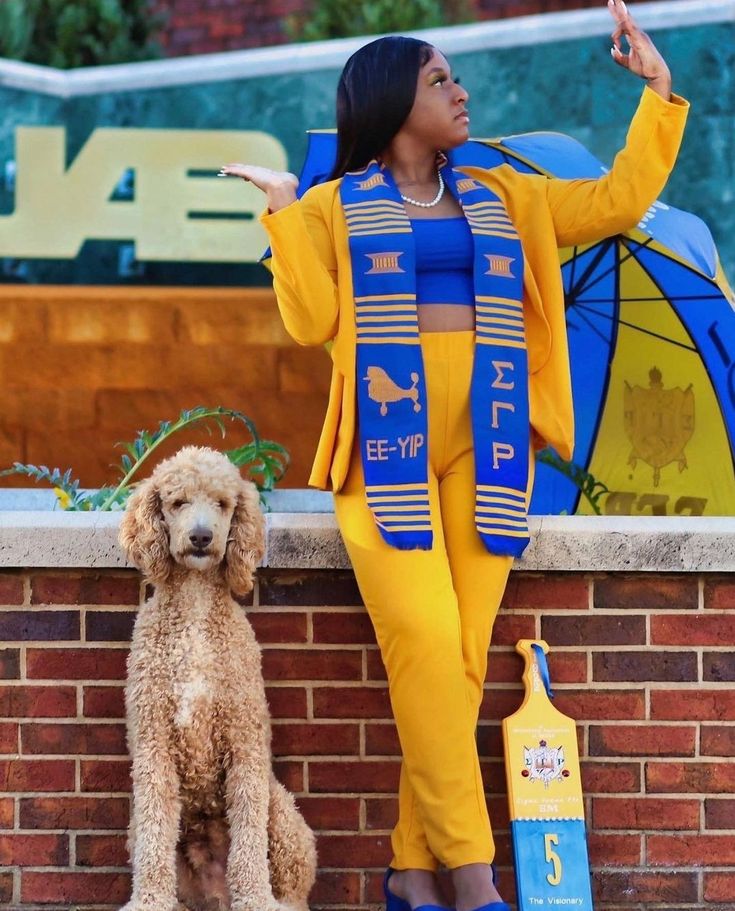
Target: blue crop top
444, 260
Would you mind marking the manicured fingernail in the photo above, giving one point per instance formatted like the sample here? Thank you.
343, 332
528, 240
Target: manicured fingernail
625, 8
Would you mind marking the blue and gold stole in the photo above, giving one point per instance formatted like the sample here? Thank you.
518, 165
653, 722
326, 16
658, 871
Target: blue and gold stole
391, 387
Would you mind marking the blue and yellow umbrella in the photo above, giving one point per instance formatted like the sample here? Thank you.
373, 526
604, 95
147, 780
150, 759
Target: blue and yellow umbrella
651, 326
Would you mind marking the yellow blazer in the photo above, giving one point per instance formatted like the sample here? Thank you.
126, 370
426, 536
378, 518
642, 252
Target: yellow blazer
312, 274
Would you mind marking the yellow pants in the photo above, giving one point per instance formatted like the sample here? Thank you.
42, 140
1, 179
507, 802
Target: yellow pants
433, 613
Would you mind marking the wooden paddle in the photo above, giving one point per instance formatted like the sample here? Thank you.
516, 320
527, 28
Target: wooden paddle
545, 796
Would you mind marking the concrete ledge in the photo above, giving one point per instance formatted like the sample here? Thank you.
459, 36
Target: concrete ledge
543, 28
312, 541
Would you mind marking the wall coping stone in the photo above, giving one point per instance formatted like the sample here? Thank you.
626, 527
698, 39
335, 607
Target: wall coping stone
541, 28
55, 539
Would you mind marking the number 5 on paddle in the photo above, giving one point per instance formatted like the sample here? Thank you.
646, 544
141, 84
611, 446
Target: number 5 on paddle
545, 796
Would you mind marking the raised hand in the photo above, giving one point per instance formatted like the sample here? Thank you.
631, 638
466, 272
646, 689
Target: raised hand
278, 186
642, 58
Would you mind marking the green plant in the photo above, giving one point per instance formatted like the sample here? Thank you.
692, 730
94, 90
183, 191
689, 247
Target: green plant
591, 488
264, 461
344, 18
81, 33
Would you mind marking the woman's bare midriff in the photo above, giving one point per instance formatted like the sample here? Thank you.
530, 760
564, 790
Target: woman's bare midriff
445, 317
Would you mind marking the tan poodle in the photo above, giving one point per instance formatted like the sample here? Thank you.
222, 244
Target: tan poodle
211, 826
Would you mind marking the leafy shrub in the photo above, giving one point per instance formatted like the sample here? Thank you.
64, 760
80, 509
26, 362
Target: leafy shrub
345, 18
82, 33
263, 461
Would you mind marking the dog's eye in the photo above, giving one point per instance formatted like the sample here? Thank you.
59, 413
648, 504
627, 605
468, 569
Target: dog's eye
223, 504
177, 504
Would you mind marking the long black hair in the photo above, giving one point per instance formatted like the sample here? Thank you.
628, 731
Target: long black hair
375, 94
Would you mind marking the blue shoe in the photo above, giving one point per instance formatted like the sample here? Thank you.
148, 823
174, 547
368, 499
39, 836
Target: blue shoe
396, 903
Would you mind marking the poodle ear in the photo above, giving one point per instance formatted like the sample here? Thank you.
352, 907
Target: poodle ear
246, 540
143, 535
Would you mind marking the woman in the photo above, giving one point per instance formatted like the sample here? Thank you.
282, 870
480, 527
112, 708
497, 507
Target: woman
441, 291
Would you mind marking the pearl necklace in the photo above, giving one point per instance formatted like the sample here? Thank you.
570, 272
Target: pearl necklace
434, 201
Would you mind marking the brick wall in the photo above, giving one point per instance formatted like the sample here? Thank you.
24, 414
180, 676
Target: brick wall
82, 368
208, 26
643, 662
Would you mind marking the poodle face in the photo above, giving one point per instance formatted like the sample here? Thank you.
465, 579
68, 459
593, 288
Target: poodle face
195, 511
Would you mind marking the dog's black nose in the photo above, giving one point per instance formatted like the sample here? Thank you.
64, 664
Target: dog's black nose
200, 537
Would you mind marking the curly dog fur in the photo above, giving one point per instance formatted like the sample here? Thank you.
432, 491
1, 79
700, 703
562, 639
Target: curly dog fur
211, 826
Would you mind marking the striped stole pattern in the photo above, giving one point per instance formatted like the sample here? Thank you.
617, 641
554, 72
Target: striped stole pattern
391, 389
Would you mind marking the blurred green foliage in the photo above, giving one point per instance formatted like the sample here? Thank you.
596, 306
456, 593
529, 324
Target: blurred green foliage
67, 34
345, 18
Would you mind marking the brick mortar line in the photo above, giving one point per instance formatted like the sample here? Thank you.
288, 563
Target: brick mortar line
70, 869
612, 685
103, 795
308, 608
262, 608
30, 682
51, 644
67, 832
323, 722
97, 757
306, 790
62, 606
621, 611
34, 608
23, 661
66, 719
646, 832
16, 886
313, 646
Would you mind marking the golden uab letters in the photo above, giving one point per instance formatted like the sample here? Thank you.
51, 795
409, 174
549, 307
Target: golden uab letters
58, 208
381, 388
659, 423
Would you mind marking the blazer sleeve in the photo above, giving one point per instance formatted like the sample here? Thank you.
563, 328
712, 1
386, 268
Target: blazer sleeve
587, 210
304, 267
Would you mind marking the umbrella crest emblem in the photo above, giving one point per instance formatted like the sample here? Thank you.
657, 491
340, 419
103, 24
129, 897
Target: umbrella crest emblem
659, 423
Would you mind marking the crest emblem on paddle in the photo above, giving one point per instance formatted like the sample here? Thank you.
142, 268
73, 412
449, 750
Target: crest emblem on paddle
659, 423
544, 763
381, 388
